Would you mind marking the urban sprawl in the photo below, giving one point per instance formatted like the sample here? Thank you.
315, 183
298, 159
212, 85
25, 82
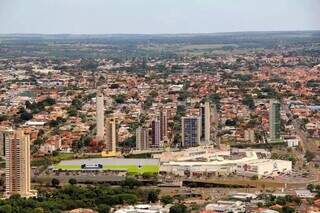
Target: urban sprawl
236, 131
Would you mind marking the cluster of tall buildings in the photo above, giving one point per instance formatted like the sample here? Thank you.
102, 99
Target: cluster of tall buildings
195, 130
106, 127
154, 136
15, 148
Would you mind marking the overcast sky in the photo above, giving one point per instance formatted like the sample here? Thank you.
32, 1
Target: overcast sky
157, 16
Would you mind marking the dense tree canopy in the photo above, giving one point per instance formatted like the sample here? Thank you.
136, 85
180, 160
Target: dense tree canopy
99, 198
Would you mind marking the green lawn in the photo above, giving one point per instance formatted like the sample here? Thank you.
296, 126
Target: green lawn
130, 168
63, 156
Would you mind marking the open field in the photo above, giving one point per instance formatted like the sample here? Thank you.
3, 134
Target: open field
135, 166
168, 46
130, 168
192, 49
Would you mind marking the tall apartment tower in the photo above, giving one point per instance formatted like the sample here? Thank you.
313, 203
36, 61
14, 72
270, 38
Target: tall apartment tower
155, 134
111, 137
205, 116
18, 176
141, 138
274, 121
191, 131
100, 116
4, 137
163, 125
216, 121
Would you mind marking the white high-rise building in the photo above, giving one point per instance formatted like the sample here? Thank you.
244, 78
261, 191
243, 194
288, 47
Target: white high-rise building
205, 116
18, 170
275, 121
100, 116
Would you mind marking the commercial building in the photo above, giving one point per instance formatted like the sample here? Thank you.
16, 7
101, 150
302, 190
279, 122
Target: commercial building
191, 154
141, 138
155, 134
264, 167
100, 116
191, 131
111, 135
274, 121
18, 175
205, 115
226, 206
248, 165
144, 208
304, 193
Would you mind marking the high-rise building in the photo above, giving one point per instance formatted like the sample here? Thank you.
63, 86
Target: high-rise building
18, 175
274, 121
191, 131
155, 133
111, 136
100, 116
4, 137
216, 121
163, 125
205, 116
141, 138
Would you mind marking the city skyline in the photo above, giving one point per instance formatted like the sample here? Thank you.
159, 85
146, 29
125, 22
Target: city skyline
193, 106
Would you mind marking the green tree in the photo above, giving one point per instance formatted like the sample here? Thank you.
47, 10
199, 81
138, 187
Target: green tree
103, 208
3, 117
119, 99
26, 116
130, 182
73, 181
309, 156
55, 182
215, 99
153, 196
6, 208
310, 187
38, 210
167, 199
287, 209
248, 101
178, 208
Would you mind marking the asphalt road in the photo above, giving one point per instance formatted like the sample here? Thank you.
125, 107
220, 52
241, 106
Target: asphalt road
305, 142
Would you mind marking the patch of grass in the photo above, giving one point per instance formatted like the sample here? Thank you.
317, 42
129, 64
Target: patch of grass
134, 169
62, 156
27, 94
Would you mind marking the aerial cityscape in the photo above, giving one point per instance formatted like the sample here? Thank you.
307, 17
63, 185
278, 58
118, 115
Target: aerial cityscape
171, 122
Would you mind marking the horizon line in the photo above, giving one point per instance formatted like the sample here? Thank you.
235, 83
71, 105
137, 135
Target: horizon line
195, 33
